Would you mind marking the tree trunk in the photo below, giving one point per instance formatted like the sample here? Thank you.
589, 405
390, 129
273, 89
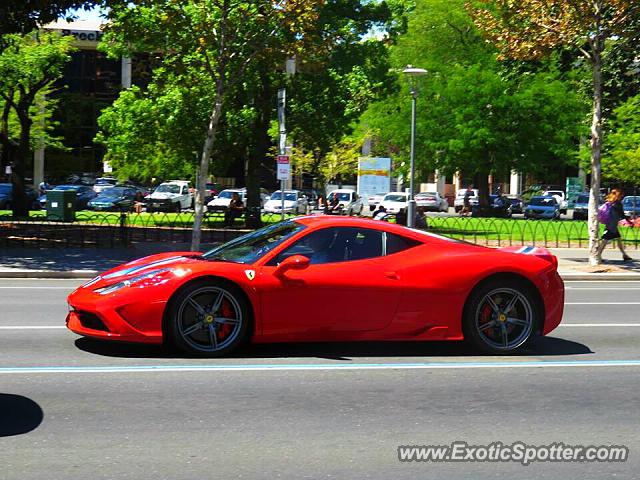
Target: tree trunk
203, 171
19, 206
596, 143
260, 150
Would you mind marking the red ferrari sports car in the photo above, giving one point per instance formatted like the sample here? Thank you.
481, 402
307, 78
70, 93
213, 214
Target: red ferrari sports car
326, 278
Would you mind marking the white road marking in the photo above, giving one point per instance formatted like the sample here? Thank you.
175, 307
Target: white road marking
321, 367
599, 325
602, 303
39, 288
32, 327
602, 288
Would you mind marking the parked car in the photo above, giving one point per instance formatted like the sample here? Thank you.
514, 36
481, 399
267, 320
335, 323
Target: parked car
171, 196
374, 200
84, 193
212, 190
6, 196
517, 205
394, 201
349, 202
312, 196
431, 201
104, 183
581, 207
560, 197
115, 198
631, 205
221, 202
294, 202
542, 207
458, 203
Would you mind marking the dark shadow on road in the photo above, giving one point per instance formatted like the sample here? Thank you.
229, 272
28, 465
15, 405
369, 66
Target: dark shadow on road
545, 346
18, 415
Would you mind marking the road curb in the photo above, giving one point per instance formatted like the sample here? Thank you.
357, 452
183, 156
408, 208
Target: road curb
87, 274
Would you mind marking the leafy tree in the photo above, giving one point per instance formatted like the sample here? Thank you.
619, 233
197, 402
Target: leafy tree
530, 29
28, 67
24, 16
474, 116
621, 160
215, 38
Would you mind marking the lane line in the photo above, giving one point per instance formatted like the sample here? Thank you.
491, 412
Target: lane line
599, 325
320, 367
31, 327
34, 288
602, 288
602, 303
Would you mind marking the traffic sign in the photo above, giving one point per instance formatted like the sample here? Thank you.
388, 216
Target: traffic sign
284, 167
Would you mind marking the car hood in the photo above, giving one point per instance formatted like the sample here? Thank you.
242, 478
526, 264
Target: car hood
106, 199
163, 195
219, 202
144, 265
275, 203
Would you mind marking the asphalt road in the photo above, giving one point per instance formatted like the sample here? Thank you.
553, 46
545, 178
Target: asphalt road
75, 408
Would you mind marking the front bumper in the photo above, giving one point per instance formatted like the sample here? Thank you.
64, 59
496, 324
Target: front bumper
125, 317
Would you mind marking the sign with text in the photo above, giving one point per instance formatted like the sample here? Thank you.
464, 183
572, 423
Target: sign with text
283, 167
374, 175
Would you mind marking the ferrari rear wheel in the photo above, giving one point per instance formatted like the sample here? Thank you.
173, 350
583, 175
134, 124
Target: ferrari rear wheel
208, 319
500, 319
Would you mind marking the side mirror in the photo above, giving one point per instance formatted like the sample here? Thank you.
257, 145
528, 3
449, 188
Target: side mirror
295, 262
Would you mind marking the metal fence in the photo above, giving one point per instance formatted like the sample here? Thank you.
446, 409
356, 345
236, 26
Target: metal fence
103, 229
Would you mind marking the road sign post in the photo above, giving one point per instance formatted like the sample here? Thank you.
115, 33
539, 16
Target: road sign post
284, 174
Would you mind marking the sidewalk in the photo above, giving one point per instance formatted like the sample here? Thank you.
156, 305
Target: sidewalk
88, 262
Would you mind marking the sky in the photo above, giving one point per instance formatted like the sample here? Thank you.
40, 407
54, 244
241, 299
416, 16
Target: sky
91, 15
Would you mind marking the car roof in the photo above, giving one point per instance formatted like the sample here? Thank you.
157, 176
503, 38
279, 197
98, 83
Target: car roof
319, 221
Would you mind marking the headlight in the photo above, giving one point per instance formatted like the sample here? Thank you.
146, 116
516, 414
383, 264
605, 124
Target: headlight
130, 281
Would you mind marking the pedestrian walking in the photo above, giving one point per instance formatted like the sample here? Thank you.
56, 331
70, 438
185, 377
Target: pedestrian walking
611, 231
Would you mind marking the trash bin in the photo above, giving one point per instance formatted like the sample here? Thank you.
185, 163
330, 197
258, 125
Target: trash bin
61, 205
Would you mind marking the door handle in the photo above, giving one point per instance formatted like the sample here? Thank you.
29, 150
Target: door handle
392, 275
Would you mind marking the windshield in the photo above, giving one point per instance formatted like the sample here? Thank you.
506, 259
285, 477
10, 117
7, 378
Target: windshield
342, 197
168, 188
631, 200
114, 192
395, 198
543, 201
251, 247
291, 196
583, 199
67, 187
105, 181
227, 194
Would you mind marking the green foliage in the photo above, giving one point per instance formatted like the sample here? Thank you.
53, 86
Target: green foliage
621, 159
22, 16
473, 115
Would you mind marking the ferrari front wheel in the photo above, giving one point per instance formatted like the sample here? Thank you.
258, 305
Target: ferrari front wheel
208, 319
501, 319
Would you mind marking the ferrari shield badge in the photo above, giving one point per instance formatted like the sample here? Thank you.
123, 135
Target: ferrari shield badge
251, 274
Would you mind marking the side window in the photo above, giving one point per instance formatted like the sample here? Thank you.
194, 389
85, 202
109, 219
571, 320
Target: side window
397, 243
331, 245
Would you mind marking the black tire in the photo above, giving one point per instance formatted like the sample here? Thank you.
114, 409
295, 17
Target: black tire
489, 329
190, 329
177, 207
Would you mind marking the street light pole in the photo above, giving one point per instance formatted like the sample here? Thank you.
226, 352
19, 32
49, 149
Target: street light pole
411, 72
